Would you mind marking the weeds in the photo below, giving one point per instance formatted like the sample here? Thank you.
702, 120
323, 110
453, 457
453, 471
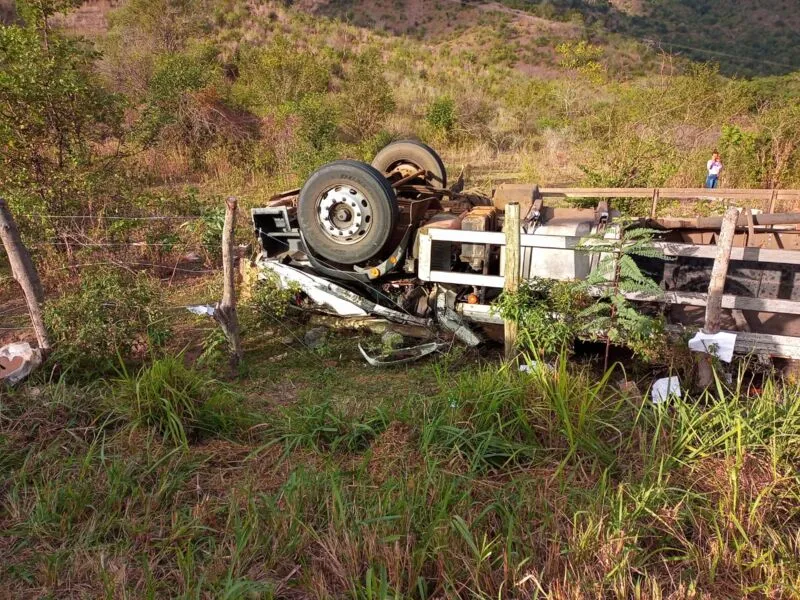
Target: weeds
548, 483
179, 403
111, 313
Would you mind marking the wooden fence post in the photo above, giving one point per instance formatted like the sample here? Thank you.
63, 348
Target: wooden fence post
716, 286
225, 312
511, 272
24, 272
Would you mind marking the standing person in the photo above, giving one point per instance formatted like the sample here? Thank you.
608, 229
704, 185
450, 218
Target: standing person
714, 166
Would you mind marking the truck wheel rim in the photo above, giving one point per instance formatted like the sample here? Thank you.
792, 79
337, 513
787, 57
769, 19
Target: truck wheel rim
344, 214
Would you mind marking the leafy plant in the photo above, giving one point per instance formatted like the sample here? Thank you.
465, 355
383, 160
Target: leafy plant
441, 115
54, 116
613, 318
584, 58
545, 311
366, 97
175, 77
111, 313
270, 299
281, 72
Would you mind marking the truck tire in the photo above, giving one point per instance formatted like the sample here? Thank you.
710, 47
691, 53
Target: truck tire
347, 212
409, 156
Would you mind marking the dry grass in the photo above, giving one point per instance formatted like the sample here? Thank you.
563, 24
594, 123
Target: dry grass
472, 491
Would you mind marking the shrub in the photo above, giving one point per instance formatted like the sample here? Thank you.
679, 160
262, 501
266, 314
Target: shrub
441, 115
270, 299
315, 133
280, 73
546, 312
175, 76
54, 117
111, 313
584, 58
366, 97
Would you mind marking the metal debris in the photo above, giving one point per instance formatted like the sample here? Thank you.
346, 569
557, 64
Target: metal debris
451, 320
202, 310
340, 300
401, 355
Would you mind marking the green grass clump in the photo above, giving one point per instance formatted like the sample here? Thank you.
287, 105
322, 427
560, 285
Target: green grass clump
176, 401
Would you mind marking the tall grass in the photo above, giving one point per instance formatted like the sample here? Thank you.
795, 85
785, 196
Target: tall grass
176, 401
547, 484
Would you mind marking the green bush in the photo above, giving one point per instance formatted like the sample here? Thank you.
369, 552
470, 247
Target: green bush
441, 115
546, 312
54, 116
316, 122
366, 98
270, 300
280, 73
175, 76
111, 313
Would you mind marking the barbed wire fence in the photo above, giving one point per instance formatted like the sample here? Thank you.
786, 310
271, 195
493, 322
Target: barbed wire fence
130, 255
81, 248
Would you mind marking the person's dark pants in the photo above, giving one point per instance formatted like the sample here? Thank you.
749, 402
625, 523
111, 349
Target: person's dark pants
711, 181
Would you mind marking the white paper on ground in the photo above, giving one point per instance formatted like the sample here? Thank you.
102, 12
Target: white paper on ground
202, 310
664, 388
717, 344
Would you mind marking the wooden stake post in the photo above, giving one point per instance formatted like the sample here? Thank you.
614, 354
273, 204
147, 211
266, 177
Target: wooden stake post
25, 274
716, 286
225, 312
511, 271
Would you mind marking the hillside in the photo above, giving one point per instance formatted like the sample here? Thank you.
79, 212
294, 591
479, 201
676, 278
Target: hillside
140, 462
747, 38
560, 93
750, 38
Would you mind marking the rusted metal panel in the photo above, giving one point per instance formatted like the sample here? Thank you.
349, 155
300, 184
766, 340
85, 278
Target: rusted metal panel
480, 218
521, 193
792, 218
674, 193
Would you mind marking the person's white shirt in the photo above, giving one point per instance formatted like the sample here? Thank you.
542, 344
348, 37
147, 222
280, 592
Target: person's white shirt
714, 167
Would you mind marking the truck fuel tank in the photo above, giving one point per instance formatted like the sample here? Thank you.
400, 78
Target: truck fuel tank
557, 263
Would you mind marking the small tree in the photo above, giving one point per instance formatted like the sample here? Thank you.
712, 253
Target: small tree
55, 118
613, 318
546, 312
441, 116
582, 58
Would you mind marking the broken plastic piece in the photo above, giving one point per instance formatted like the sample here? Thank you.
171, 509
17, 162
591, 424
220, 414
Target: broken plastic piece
719, 344
401, 355
202, 310
664, 388
533, 365
17, 361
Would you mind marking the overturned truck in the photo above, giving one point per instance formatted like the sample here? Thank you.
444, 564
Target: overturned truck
392, 239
